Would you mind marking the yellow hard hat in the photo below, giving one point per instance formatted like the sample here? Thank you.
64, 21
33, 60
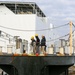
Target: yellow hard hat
36, 34
32, 37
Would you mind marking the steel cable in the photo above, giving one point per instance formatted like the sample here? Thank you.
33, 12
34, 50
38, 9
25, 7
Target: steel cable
34, 30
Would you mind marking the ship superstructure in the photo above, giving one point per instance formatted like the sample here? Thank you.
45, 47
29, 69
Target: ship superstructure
23, 19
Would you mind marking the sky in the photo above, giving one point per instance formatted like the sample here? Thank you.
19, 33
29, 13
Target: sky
59, 11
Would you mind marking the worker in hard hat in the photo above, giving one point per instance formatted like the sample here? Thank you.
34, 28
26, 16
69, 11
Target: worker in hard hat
43, 44
33, 45
32, 37
37, 44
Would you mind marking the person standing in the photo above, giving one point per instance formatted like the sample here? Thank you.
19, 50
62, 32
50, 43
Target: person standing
33, 45
37, 44
43, 44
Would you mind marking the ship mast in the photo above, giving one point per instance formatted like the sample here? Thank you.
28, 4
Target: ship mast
70, 37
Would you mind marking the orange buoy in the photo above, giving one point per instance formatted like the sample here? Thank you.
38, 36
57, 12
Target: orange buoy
37, 54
